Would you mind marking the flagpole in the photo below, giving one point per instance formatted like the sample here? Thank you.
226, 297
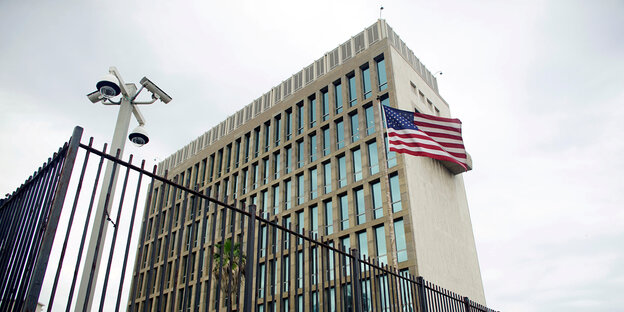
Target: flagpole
382, 115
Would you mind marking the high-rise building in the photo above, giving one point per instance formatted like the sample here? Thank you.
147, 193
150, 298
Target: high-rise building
311, 151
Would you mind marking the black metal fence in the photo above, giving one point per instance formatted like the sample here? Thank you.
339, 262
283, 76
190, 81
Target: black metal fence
206, 255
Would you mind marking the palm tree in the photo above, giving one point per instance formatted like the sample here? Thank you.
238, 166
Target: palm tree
232, 261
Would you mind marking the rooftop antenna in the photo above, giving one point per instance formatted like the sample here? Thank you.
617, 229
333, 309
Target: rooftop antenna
380, 9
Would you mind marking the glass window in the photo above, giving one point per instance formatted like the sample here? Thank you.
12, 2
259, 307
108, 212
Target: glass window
395, 193
326, 142
338, 97
288, 194
267, 136
278, 130
329, 217
346, 244
362, 243
313, 183
288, 225
344, 212
370, 120
377, 202
312, 112
314, 220
254, 176
380, 240
288, 124
313, 148
288, 160
237, 145
219, 162
342, 171
366, 82
327, 177
261, 282
244, 181
399, 237
276, 165
211, 167
264, 201
373, 158
300, 154
256, 141
391, 156
300, 190
285, 273
300, 225
330, 267
381, 74
340, 135
325, 99
276, 199
352, 90
360, 211
265, 171
300, 118
247, 146
357, 164
355, 128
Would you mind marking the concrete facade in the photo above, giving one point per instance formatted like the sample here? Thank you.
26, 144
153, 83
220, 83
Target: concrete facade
372, 194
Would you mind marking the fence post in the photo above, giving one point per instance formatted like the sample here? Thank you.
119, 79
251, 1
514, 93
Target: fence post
50, 228
467, 304
422, 293
357, 287
249, 292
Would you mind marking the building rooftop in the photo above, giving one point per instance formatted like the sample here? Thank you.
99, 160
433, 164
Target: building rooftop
371, 35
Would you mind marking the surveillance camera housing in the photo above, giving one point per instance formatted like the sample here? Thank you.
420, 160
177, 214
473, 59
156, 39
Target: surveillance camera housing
138, 136
95, 96
156, 91
108, 86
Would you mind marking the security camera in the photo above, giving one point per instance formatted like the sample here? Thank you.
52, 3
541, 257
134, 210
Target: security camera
108, 86
156, 91
95, 96
138, 136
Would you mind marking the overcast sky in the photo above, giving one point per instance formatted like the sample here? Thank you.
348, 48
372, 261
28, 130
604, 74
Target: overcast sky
538, 86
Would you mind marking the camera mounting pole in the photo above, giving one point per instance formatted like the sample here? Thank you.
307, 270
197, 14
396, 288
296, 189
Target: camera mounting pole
127, 108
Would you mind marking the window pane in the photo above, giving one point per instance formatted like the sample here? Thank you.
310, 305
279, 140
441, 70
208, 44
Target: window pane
342, 171
344, 212
327, 177
399, 237
366, 82
326, 142
300, 154
380, 240
288, 194
325, 99
313, 149
313, 183
338, 97
340, 135
329, 218
299, 118
300, 190
312, 112
395, 193
377, 202
360, 207
381, 75
357, 164
373, 158
355, 128
352, 91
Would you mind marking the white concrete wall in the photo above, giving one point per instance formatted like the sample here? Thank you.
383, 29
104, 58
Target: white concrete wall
441, 227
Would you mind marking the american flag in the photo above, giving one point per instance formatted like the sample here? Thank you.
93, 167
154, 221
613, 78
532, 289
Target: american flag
425, 135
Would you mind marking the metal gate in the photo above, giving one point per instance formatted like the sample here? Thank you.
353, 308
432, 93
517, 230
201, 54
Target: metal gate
207, 256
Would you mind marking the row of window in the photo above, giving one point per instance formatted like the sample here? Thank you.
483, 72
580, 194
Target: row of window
294, 121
